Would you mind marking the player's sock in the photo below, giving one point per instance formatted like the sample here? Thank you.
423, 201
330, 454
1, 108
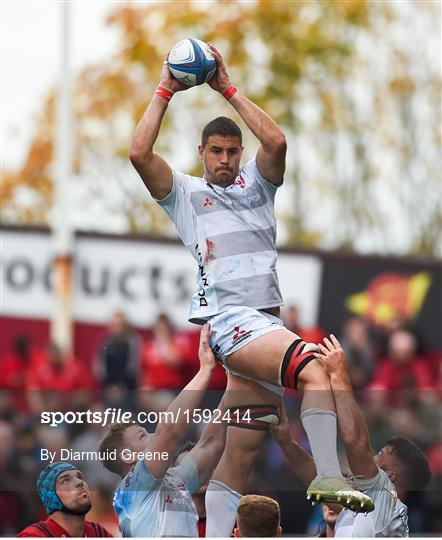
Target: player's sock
321, 428
221, 507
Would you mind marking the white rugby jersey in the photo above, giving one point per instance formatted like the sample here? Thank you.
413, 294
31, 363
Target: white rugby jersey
147, 507
231, 233
389, 518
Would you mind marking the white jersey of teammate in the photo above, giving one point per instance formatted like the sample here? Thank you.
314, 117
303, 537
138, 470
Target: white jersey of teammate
389, 518
148, 507
231, 233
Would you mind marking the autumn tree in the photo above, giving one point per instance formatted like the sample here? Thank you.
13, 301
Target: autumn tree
354, 85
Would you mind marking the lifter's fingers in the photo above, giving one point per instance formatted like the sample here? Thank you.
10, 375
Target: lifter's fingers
324, 350
329, 344
216, 53
204, 336
335, 341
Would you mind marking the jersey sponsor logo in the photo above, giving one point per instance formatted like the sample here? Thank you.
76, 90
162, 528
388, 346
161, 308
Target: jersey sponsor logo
240, 335
238, 332
204, 281
128, 480
239, 181
248, 200
179, 500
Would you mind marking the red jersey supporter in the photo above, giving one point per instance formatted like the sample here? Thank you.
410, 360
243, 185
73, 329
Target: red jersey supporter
51, 529
15, 369
15, 365
164, 357
55, 372
402, 364
292, 322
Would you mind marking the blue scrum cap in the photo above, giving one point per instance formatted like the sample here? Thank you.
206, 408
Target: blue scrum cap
46, 485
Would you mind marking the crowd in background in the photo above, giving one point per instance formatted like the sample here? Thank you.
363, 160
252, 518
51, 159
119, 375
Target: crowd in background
396, 379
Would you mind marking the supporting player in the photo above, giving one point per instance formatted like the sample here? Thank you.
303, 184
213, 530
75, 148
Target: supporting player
399, 467
330, 513
198, 497
154, 498
258, 516
66, 498
227, 221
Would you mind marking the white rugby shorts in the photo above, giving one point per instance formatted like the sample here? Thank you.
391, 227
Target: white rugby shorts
237, 327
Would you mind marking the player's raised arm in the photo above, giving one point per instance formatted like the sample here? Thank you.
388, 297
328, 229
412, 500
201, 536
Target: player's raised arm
153, 169
301, 461
270, 158
211, 444
352, 425
169, 434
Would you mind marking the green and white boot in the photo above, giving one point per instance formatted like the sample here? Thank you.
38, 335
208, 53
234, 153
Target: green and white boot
337, 490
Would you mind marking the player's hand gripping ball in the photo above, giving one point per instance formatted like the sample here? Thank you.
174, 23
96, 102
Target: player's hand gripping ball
191, 62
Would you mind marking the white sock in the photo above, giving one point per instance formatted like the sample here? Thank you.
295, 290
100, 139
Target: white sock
321, 428
221, 507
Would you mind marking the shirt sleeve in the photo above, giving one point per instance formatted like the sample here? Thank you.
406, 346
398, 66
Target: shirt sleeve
179, 208
142, 479
187, 471
133, 490
250, 168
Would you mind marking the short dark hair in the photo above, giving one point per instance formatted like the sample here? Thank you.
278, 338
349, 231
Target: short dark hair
413, 461
221, 126
258, 516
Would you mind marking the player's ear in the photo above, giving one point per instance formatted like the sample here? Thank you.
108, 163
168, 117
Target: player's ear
201, 151
126, 458
279, 531
392, 475
236, 532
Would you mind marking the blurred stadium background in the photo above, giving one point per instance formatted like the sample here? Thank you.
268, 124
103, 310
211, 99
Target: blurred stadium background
95, 287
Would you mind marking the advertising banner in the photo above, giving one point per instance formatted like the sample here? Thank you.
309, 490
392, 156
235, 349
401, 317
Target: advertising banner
138, 276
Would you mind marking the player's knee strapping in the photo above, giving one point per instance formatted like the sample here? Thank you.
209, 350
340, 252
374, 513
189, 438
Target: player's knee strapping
298, 355
258, 417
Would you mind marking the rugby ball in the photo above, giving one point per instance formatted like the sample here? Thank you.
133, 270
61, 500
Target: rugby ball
191, 62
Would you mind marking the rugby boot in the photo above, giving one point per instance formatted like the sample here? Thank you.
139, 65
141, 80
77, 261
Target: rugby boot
338, 490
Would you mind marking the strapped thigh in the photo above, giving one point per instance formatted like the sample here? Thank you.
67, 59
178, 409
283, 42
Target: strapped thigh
298, 355
257, 417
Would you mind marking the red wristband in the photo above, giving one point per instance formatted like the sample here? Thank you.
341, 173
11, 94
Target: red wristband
230, 92
164, 93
